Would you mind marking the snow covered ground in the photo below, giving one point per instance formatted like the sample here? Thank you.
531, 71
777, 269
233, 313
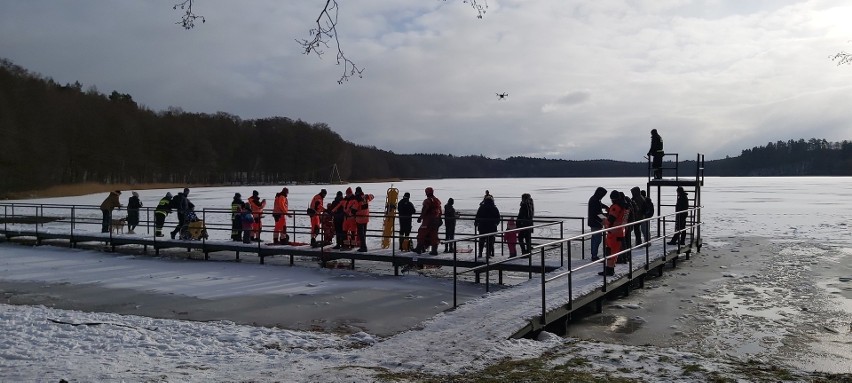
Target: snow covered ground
772, 286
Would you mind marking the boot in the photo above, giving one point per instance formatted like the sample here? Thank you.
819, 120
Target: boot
434, 250
313, 242
608, 271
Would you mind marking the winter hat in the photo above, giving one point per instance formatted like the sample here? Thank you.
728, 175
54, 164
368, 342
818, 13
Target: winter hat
429, 191
238, 195
135, 194
323, 192
614, 194
168, 194
118, 192
406, 195
450, 202
285, 190
349, 191
254, 193
339, 194
358, 190
185, 191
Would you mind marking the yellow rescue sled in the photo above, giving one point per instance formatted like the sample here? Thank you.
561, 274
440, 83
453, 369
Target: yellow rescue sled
390, 215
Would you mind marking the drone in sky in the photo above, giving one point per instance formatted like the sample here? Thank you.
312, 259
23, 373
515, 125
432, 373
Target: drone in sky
502, 96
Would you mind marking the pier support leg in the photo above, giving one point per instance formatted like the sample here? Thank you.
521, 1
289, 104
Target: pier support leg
599, 305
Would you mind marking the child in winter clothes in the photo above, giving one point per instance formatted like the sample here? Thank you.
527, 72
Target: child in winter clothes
511, 238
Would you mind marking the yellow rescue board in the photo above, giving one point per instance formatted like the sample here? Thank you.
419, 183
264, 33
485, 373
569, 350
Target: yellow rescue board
390, 215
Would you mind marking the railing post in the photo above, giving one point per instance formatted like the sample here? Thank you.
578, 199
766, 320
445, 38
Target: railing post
455, 278
543, 291
73, 215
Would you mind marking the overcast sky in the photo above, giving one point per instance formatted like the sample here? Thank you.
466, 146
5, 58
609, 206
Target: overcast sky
586, 79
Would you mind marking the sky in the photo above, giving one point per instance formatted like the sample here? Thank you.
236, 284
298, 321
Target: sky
585, 80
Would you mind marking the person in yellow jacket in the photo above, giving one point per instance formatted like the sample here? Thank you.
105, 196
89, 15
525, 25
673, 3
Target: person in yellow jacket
280, 210
362, 216
256, 205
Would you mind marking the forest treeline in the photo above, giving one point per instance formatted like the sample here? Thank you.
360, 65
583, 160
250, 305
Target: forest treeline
54, 134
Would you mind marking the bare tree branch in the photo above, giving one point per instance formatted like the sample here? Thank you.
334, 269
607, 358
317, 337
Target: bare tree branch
325, 31
842, 58
480, 6
187, 21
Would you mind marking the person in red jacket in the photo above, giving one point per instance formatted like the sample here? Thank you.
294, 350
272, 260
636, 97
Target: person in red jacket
256, 205
362, 216
280, 209
315, 210
350, 227
430, 221
616, 216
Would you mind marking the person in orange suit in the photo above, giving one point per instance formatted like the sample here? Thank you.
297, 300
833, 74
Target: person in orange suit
256, 205
315, 210
616, 216
280, 209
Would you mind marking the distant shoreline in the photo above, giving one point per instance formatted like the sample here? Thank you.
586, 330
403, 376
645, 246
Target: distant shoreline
91, 188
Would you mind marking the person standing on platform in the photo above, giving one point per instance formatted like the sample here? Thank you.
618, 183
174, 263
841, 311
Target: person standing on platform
163, 209
616, 216
656, 153
133, 206
406, 211
526, 214
236, 217
110, 203
511, 238
487, 219
256, 205
596, 212
362, 216
681, 207
315, 210
450, 216
338, 205
430, 220
280, 209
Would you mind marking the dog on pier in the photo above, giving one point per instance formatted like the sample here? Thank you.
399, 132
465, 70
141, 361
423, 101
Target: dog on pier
116, 226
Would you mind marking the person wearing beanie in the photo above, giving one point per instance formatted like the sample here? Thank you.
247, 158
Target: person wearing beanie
405, 208
256, 205
182, 205
280, 209
133, 206
164, 208
315, 210
594, 219
430, 220
450, 216
236, 217
110, 203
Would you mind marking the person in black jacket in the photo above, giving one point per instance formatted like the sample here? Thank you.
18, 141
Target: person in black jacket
681, 205
133, 206
656, 153
236, 217
338, 214
181, 204
649, 212
487, 220
450, 216
594, 220
406, 210
526, 214
163, 209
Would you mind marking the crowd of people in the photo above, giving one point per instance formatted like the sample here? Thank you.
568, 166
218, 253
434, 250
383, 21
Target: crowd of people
344, 220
